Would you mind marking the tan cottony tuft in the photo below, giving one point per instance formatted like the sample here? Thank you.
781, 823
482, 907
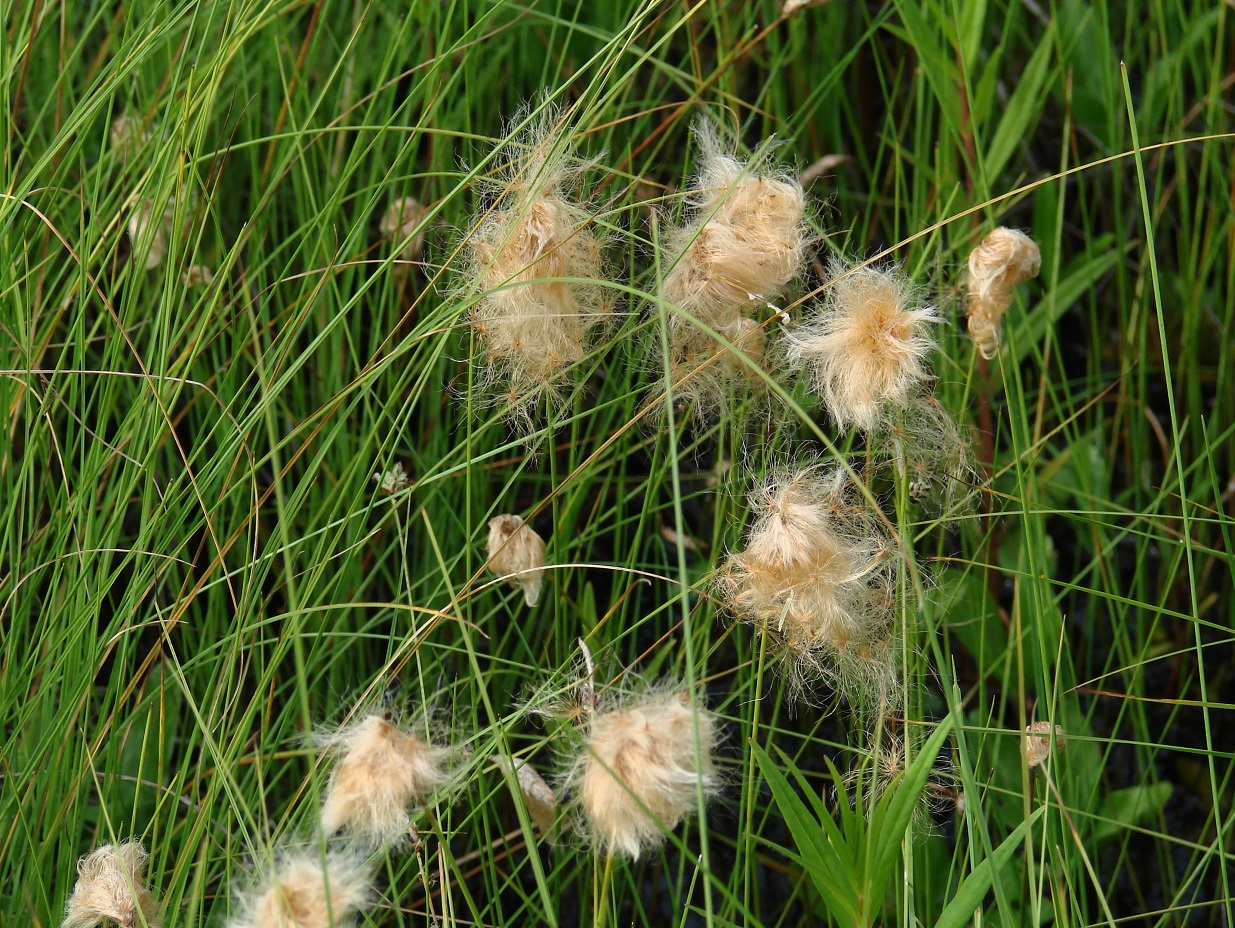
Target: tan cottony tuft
537, 795
517, 552
399, 224
303, 895
866, 348
381, 774
535, 259
1004, 259
1037, 742
111, 886
641, 771
817, 576
744, 242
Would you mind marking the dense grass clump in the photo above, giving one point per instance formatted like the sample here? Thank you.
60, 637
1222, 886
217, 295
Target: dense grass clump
394, 391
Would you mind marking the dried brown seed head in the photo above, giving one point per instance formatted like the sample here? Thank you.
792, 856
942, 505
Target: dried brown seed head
517, 552
1004, 259
399, 224
1037, 742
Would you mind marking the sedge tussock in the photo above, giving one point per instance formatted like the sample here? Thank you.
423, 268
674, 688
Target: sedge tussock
865, 350
535, 261
303, 894
817, 576
381, 774
111, 887
517, 552
1002, 260
1037, 742
743, 243
645, 760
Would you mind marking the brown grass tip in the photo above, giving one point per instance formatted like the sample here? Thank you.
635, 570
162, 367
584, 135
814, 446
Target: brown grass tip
382, 772
641, 772
517, 553
1002, 260
111, 886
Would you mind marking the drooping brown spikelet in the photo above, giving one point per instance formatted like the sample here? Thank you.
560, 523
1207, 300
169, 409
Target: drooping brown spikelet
517, 552
1002, 260
1037, 742
817, 576
381, 774
538, 796
641, 771
866, 348
744, 242
399, 224
301, 894
535, 260
111, 886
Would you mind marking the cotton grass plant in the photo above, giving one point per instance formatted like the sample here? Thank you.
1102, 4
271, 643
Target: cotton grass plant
199, 570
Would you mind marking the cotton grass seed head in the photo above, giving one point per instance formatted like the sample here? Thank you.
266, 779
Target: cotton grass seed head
539, 798
1002, 260
401, 222
1037, 742
111, 887
816, 576
744, 242
303, 894
535, 265
866, 348
381, 773
517, 552
641, 770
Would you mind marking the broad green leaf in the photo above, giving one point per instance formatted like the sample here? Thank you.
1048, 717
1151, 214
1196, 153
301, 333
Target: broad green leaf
1131, 806
972, 891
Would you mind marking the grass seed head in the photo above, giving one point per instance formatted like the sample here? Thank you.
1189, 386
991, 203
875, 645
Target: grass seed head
1002, 260
111, 887
866, 349
536, 261
399, 224
381, 774
1037, 742
641, 770
538, 796
301, 894
745, 242
814, 576
517, 552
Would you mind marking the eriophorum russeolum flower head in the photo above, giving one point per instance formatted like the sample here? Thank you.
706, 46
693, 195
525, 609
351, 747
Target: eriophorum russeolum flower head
402, 222
865, 349
743, 242
381, 773
640, 772
816, 575
302, 892
518, 552
111, 887
1002, 260
535, 266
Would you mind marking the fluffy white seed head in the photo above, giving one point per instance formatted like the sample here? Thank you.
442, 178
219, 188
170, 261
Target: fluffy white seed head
301, 894
1037, 742
380, 775
816, 576
1002, 260
111, 887
866, 348
641, 770
517, 552
535, 259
